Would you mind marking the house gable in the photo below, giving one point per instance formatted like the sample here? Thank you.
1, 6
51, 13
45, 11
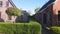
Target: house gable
46, 5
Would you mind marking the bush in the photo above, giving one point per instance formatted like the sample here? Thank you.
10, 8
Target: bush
55, 30
20, 28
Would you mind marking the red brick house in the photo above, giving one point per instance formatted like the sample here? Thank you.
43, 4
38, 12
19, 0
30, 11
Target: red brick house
4, 4
49, 14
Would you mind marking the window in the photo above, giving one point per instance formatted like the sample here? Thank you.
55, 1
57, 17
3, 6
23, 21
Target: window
44, 18
7, 4
58, 15
0, 3
49, 19
49, 16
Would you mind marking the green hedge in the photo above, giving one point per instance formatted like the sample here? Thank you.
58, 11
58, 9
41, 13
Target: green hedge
55, 30
20, 28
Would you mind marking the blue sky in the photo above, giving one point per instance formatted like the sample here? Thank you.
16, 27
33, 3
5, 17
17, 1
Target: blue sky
29, 4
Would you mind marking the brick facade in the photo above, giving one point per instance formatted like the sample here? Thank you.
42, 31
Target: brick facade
51, 9
3, 8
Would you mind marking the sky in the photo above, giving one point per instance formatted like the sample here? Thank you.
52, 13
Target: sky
29, 4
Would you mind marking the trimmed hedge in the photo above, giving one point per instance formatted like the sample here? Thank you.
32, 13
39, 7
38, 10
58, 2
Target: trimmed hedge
55, 30
20, 28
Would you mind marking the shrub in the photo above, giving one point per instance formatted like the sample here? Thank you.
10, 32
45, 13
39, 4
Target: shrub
55, 30
19, 28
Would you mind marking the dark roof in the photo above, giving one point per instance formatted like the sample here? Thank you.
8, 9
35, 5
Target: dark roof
24, 12
12, 3
45, 5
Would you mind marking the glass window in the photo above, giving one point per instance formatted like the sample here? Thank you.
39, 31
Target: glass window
0, 3
7, 4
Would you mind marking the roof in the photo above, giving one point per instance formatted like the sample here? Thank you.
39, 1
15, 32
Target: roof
47, 4
12, 3
24, 12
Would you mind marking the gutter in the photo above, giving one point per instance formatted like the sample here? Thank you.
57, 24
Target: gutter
46, 7
12, 3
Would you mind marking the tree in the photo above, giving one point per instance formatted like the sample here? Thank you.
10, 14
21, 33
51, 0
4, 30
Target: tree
11, 11
37, 9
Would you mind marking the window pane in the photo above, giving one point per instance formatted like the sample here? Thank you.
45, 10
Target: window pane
0, 3
7, 4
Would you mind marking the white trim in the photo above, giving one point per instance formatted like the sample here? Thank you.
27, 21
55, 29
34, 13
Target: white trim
11, 2
46, 7
55, 1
